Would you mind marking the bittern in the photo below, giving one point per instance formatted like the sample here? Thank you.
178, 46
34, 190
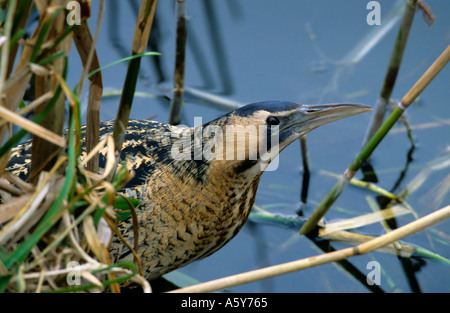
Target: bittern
197, 185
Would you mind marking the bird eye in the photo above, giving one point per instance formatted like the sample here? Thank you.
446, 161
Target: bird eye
272, 120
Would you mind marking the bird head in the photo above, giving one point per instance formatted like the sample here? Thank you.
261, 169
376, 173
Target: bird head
253, 135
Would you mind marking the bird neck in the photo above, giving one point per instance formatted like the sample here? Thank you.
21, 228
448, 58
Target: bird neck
228, 199
236, 191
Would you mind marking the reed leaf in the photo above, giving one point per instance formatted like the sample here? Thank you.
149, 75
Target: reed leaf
22, 251
140, 39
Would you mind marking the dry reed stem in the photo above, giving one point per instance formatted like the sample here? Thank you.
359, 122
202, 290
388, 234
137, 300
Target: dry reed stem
180, 52
21, 25
133, 250
45, 97
6, 186
351, 238
426, 78
366, 219
338, 255
25, 214
18, 182
364, 184
4, 234
5, 48
17, 83
74, 241
86, 49
211, 99
141, 36
64, 233
365, 153
84, 268
110, 158
12, 207
32, 127
54, 119
375, 207
33, 203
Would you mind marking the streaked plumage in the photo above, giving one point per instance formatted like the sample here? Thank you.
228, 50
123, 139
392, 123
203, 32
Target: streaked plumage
191, 208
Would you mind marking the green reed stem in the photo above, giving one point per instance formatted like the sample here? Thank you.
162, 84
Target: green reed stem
392, 70
141, 35
412, 94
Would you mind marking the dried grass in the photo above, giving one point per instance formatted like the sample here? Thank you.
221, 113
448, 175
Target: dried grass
56, 231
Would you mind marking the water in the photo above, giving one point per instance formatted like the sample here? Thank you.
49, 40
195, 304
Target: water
263, 50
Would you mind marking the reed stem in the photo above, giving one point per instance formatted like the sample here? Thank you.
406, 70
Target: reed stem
177, 99
392, 71
141, 35
86, 49
338, 255
410, 96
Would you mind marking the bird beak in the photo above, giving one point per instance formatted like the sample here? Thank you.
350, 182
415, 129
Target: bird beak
308, 117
